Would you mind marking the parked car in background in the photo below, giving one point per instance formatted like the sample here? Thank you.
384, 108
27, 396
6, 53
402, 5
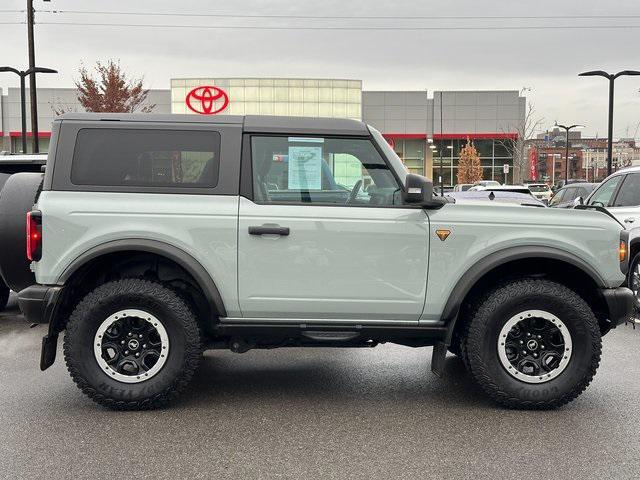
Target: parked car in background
540, 190
486, 183
562, 183
502, 188
496, 197
567, 195
462, 187
10, 164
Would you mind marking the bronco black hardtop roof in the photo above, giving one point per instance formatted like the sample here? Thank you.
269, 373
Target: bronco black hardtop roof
251, 123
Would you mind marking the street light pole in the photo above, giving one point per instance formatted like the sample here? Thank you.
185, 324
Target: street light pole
23, 101
566, 157
612, 78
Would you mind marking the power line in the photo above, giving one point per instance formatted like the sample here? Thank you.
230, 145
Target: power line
347, 17
368, 28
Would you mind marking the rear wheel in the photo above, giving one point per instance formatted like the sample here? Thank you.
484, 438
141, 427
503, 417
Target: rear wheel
533, 344
4, 294
132, 344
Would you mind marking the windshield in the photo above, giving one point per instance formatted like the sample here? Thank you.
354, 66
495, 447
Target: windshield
393, 158
539, 188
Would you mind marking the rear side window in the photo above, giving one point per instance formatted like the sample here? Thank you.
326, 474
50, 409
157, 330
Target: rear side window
557, 198
629, 194
146, 158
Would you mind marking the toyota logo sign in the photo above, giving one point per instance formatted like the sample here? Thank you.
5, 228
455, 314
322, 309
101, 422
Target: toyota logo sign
201, 100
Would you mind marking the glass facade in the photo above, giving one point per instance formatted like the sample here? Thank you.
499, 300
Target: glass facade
277, 96
493, 156
16, 144
411, 152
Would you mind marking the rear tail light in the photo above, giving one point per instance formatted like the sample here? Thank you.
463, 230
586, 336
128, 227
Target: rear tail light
34, 235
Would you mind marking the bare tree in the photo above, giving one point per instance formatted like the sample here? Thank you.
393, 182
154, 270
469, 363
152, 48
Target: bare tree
111, 91
517, 147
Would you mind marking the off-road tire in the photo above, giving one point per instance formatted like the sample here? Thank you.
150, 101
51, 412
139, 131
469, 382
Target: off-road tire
480, 346
4, 295
633, 265
177, 317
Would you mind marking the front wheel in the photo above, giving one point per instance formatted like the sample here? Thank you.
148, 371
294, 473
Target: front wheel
533, 344
132, 344
633, 282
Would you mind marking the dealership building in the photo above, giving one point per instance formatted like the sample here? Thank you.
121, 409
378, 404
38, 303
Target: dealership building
426, 128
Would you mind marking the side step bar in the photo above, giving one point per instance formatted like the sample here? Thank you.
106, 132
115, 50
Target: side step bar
241, 337
333, 332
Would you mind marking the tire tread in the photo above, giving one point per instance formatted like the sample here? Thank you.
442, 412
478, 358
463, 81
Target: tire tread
161, 293
476, 329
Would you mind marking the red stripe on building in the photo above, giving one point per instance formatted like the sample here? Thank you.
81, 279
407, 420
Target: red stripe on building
473, 136
451, 136
30, 134
408, 136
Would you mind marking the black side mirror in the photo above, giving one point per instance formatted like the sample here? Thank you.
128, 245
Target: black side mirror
418, 190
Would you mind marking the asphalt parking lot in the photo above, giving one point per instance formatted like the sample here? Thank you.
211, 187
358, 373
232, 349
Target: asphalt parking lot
315, 413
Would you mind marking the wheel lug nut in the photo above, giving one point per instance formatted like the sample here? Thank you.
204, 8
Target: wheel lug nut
524, 352
122, 342
137, 354
539, 337
521, 342
541, 347
535, 355
130, 334
528, 334
126, 352
144, 345
139, 336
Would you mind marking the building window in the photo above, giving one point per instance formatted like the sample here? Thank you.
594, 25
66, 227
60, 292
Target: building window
16, 145
493, 156
411, 152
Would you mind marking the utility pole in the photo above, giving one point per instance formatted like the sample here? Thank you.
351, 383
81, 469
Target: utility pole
33, 96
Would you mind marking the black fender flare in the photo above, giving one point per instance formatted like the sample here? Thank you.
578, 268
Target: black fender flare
179, 256
501, 257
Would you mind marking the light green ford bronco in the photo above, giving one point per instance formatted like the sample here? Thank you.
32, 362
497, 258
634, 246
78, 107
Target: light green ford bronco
154, 238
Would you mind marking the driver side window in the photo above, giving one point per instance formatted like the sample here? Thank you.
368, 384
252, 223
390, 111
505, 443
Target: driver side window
602, 196
320, 170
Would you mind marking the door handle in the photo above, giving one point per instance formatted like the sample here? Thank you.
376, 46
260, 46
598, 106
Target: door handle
269, 230
629, 220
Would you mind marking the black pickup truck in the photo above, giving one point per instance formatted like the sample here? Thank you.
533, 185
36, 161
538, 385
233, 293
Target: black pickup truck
10, 164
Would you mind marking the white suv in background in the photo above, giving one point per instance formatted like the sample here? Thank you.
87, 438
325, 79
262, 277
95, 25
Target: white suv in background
540, 190
620, 194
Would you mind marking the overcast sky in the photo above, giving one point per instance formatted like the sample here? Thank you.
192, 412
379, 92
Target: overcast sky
547, 61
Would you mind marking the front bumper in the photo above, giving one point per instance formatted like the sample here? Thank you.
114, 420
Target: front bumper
620, 303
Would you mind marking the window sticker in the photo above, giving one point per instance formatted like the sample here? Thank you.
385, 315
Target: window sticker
305, 168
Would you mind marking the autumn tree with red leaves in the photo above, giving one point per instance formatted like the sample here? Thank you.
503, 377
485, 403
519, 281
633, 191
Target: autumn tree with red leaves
110, 91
